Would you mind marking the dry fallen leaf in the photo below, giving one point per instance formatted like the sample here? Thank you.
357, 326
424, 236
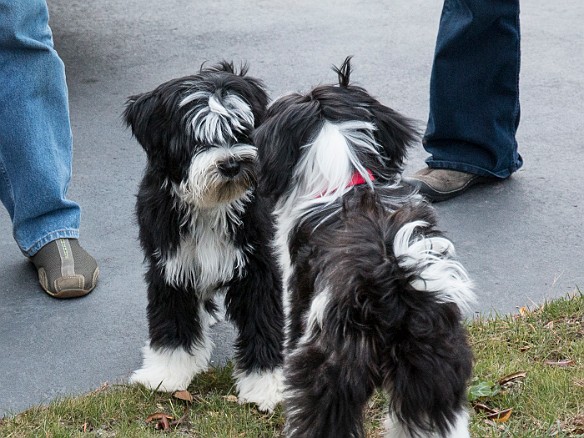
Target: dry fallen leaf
183, 395
163, 420
512, 378
481, 407
493, 414
501, 416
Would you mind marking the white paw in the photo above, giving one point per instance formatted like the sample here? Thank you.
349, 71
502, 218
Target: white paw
170, 370
394, 429
265, 388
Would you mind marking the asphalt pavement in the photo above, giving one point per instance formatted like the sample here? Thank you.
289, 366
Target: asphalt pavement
522, 240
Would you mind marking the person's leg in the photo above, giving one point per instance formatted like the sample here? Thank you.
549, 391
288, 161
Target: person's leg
35, 139
474, 91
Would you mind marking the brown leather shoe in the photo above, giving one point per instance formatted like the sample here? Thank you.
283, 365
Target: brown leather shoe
65, 269
442, 184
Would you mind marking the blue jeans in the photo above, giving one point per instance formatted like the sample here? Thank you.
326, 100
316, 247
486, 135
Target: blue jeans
35, 130
474, 89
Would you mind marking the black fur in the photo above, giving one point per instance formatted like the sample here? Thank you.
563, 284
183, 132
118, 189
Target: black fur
377, 330
252, 292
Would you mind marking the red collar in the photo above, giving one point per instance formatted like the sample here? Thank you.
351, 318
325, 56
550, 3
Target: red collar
357, 179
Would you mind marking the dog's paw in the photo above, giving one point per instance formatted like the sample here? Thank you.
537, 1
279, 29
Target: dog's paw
159, 380
395, 429
169, 370
265, 388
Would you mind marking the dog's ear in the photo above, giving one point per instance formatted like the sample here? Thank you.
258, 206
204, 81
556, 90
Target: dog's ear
277, 157
146, 117
395, 133
279, 139
258, 99
255, 93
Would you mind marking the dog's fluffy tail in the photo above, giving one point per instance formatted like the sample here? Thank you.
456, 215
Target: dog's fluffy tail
405, 294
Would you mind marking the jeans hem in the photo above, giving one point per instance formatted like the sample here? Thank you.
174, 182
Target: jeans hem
468, 168
54, 235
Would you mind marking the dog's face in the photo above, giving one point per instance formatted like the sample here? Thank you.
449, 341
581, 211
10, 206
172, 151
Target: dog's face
196, 132
317, 141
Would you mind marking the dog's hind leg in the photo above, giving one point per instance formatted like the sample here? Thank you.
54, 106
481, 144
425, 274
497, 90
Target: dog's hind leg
395, 429
426, 368
327, 386
179, 346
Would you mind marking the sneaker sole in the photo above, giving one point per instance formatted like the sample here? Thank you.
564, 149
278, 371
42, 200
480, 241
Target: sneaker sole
72, 293
437, 196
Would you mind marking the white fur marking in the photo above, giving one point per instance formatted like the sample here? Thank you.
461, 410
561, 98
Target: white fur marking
216, 118
317, 310
207, 255
325, 169
262, 388
204, 178
437, 271
171, 370
393, 428
330, 160
314, 318
285, 223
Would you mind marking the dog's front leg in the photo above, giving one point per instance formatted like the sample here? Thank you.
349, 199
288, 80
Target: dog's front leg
179, 346
254, 305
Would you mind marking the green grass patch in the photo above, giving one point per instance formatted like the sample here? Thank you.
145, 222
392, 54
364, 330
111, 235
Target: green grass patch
528, 382
544, 348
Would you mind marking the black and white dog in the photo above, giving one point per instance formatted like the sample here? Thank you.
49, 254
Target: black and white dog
372, 294
204, 231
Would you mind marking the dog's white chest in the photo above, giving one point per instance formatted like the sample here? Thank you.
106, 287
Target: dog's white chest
205, 258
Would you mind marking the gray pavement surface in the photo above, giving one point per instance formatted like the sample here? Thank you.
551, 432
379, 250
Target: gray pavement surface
521, 240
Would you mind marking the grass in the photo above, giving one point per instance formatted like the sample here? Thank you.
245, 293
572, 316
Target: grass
545, 346
530, 365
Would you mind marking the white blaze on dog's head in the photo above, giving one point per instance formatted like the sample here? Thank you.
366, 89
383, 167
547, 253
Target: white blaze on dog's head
215, 118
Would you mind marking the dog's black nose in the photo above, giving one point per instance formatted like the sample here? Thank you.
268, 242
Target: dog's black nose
229, 168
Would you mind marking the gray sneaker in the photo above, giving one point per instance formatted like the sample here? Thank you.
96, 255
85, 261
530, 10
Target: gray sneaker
65, 269
442, 184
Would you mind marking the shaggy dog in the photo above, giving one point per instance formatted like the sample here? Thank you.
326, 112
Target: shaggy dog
204, 231
372, 295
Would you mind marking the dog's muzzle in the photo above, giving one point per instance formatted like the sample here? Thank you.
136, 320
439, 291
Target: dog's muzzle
229, 168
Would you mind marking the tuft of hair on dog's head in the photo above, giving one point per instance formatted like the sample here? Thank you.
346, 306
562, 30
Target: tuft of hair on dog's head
344, 72
227, 66
318, 140
197, 130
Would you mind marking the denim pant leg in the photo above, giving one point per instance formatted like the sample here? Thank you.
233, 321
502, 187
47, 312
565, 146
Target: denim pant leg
474, 89
35, 130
